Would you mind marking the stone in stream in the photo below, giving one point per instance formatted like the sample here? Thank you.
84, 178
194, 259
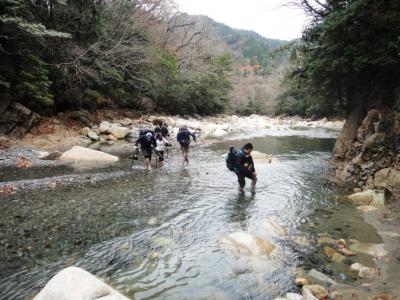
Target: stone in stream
301, 281
369, 248
74, 283
273, 228
317, 291
326, 240
328, 251
92, 135
368, 273
355, 269
369, 197
78, 153
320, 277
293, 296
307, 295
248, 244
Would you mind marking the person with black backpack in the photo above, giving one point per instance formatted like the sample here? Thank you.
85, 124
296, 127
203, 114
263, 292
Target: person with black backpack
147, 142
242, 164
183, 138
163, 129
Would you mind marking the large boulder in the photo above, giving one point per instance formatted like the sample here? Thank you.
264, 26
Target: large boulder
219, 133
387, 178
104, 126
369, 197
74, 283
16, 119
248, 244
118, 131
78, 153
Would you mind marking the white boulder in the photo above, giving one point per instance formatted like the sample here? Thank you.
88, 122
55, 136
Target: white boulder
369, 197
74, 283
119, 132
104, 126
79, 153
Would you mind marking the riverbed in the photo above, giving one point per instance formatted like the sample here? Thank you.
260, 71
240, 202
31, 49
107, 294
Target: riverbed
157, 235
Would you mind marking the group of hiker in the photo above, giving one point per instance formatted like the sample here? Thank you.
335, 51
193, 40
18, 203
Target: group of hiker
156, 140
240, 162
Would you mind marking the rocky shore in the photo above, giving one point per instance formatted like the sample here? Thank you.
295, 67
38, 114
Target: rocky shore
367, 152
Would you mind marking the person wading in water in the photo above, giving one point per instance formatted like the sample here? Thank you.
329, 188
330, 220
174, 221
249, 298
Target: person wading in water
147, 142
183, 137
161, 144
244, 167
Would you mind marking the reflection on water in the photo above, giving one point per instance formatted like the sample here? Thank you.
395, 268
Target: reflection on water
239, 209
157, 235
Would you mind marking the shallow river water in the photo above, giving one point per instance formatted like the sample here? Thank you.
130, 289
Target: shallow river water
157, 235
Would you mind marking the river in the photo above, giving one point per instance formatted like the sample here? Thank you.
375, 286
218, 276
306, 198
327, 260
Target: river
158, 235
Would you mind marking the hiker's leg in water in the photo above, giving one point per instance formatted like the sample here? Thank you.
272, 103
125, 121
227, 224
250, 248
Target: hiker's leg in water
148, 163
253, 181
185, 155
241, 180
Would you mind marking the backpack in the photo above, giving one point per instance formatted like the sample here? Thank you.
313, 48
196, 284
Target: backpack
230, 159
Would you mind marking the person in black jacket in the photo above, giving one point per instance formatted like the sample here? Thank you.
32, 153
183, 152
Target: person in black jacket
147, 143
163, 129
244, 167
183, 137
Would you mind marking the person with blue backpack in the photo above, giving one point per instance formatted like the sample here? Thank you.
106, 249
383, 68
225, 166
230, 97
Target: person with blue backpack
242, 164
183, 138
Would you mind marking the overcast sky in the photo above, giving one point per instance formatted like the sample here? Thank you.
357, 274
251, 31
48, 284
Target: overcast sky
269, 18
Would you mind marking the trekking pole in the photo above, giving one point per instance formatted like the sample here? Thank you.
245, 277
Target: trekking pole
130, 169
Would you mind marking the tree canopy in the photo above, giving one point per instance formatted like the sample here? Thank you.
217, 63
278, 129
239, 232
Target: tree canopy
348, 56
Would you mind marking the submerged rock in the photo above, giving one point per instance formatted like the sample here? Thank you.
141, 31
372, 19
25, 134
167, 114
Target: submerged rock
248, 244
79, 153
301, 281
273, 228
293, 296
307, 295
320, 277
317, 291
326, 240
74, 283
370, 249
368, 273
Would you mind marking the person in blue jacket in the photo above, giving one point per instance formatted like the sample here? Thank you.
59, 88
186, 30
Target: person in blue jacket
244, 167
183, 138
147, 143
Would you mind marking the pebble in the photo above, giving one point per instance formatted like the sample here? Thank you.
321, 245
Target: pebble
301, 281
317, 290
